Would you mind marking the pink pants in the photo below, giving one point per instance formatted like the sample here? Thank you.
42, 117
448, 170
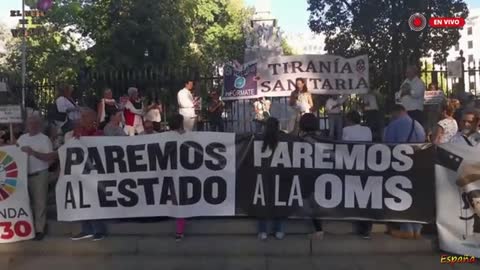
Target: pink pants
180, 225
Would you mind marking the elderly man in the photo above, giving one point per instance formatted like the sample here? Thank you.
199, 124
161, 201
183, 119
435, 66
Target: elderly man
34, 143
133, 113
468, 134
186, 105
412, 94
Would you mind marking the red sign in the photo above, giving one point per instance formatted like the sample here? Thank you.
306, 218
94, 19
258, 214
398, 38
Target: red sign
443, 22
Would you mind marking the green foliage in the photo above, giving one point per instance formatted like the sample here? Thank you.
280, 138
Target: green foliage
287, 50
380, 29
132, 34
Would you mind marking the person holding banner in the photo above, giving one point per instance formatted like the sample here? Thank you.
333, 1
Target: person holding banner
404, 129
94, 229
309, 130
301, 102
354, 132
270, 143
176, 125
34, 144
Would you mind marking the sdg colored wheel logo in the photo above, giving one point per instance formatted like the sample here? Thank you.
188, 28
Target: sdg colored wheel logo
417, 22
8, 176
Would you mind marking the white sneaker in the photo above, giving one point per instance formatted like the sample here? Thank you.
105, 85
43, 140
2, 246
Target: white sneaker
262, 236
279, 235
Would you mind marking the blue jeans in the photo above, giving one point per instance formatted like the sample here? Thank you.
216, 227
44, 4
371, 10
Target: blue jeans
94, 227
411, 227
263, 225
335, 126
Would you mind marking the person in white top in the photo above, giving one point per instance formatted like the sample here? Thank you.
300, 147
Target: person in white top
133, 113
261, 110
412, 94
354, 132
447, 127
67, 109
186, 106
33, 143
301, 102
468, 134
154, 114
106, 107
333, 107
373, 118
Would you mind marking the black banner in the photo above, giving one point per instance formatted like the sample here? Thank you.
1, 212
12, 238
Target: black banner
335, 180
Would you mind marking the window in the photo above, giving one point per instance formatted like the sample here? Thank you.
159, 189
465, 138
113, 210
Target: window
469, 31
470, 44
457, 47
470, 58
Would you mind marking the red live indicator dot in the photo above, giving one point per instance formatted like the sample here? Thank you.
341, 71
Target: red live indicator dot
417, 22
442, 22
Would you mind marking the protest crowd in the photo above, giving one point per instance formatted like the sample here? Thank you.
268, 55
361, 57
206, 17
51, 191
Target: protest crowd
131, 115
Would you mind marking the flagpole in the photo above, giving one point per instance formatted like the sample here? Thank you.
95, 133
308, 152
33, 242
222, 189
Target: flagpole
24, 55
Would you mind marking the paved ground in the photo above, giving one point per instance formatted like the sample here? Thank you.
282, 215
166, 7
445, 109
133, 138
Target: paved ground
230, 263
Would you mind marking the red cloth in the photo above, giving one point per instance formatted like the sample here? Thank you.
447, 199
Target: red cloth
129, 115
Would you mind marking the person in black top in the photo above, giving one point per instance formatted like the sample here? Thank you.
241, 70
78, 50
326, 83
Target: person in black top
215, 110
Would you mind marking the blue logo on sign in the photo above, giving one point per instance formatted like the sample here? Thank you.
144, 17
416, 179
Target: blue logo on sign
240, 82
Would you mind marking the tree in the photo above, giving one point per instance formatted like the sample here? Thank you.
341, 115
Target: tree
380, 29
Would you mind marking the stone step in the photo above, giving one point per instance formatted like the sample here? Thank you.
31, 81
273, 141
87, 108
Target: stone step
210, 226
292, 245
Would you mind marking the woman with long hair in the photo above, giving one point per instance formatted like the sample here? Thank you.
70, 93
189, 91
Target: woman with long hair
446, 128
270, 142
301, 102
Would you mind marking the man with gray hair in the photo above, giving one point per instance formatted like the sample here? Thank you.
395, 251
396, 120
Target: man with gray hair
412, 94
37, 145
133, 113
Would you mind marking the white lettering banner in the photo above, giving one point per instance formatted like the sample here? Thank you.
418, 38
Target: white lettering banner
168, 174
15, 214
275, 77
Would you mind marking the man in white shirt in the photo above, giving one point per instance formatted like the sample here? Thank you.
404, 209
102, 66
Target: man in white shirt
468, 126
333, 108
412, 94
34, 143
354, 132
186, 105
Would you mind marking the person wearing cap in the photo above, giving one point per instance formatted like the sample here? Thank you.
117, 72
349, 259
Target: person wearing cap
133, 113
